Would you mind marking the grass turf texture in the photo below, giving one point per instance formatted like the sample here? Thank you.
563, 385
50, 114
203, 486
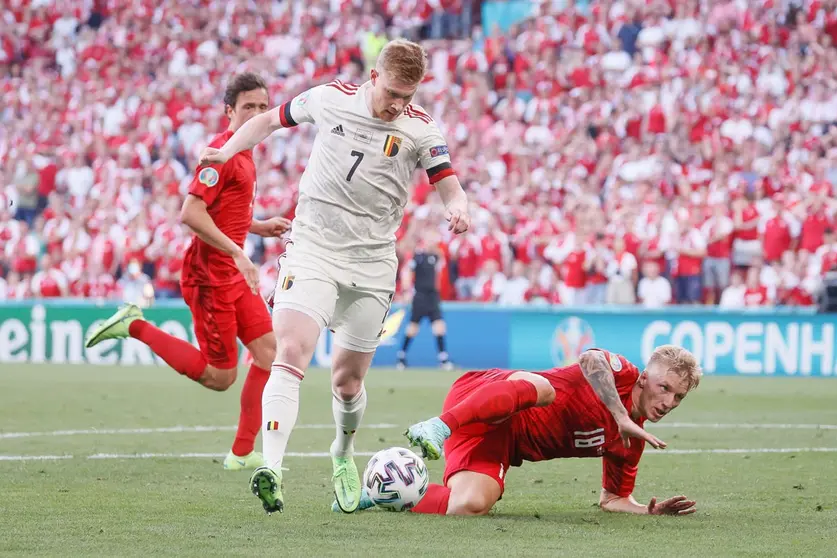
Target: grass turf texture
749, 504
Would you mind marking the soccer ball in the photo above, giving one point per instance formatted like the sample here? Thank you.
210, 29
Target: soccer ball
396, 479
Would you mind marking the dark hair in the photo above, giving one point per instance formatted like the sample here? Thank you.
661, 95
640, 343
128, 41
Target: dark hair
241, 83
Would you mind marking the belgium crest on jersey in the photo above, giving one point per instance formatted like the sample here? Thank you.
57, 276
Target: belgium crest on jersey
391, 146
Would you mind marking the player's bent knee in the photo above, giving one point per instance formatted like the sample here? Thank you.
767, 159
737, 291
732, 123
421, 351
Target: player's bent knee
438, 327
296, 337
412, 329
347, 372
469, 503
218, 379
292, 351
472, 493
346, 382
347, 390
263, 350
265, 359
546, 393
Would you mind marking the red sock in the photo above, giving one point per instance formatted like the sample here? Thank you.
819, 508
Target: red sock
250, 419
177, 353
435, 500
492, 402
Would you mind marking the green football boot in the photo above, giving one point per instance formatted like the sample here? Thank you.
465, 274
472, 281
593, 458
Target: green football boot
430, 436
115, 327
346, 479
365, 503
266, 484
253, 460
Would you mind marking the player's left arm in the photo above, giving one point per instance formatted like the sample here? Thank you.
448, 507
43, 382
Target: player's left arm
597, 369
456, 204
677, 505
434, 157
275, 226
618, 482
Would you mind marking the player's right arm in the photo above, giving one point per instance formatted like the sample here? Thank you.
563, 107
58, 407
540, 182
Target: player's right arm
203, 190
194, 215
599, 374
303, 108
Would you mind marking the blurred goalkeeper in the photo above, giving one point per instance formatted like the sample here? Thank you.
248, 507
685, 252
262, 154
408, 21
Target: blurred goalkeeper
496, 419
420, 279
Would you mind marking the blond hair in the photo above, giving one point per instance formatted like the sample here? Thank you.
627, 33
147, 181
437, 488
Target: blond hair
672, 358
404, 61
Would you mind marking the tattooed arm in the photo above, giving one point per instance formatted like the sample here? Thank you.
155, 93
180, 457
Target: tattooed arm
599, 374
596, 369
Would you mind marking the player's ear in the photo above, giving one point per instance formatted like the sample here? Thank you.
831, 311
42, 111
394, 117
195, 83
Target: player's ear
228, 111
374, 75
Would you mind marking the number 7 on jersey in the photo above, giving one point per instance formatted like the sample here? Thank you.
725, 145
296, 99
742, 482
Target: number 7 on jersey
359, 157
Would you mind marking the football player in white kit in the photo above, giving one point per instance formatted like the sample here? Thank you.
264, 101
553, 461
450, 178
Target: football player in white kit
340, 267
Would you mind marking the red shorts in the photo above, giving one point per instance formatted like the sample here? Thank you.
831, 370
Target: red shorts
221, 314
481, 448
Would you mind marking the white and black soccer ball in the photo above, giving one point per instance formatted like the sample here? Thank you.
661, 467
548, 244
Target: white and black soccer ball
396, 479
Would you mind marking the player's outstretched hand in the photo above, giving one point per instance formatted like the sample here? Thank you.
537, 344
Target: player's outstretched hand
458, 220
275, 226
677, 505
629, 429
212, 156
249, 270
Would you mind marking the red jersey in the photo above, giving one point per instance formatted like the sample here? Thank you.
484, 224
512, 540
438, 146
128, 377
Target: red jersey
229, 191
577, 424
748, 215
573, 269
777, 238
756, 297
813, 231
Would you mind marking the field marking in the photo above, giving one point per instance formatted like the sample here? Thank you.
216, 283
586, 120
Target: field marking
208, 455
371, 453
744, 426
165, 430
384, 426
739, 450
33, 457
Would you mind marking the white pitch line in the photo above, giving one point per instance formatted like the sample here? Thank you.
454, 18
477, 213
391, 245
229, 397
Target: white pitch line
207, 455
385, 426
164, 430
739, 450
743, 426
369, 454
33, 457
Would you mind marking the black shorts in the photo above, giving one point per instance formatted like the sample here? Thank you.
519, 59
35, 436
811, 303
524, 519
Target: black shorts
425, 305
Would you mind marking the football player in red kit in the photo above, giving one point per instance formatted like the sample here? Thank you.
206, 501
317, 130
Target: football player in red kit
496, 419
219, 282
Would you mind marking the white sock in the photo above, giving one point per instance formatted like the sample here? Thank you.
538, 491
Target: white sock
280, 407
347, 417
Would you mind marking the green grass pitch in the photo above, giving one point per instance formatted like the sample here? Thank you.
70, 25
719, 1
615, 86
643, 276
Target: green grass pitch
162, 503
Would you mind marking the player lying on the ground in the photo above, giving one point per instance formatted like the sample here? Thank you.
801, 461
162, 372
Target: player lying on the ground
496, 419
219, 282
339, 270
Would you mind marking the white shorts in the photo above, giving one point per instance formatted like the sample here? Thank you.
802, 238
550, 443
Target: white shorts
745, 252
351, 299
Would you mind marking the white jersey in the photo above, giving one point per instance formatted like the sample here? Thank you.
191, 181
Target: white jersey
356, 183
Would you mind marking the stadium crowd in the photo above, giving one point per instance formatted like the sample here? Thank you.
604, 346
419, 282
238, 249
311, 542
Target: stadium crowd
615, 152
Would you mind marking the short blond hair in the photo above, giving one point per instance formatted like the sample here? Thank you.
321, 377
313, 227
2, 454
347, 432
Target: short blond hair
403, 61
672, 358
